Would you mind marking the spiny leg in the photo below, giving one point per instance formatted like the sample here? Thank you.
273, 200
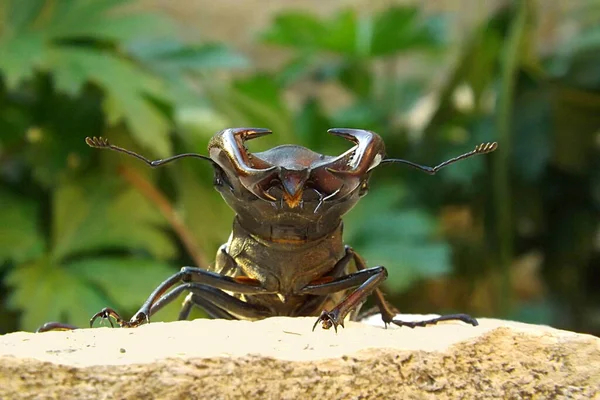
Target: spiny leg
388, 312
366, 280
381, 303
215, 301
55, 326
213, 311
240, 285
191, 300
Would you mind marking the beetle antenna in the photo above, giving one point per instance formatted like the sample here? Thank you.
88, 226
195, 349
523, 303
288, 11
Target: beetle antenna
483, 148
102, 143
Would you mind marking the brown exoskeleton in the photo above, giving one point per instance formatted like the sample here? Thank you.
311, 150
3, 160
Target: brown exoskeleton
285, 255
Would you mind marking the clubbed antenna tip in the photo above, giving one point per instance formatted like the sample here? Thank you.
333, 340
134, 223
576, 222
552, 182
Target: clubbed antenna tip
486, 147
97, 142
483, 148
102, 143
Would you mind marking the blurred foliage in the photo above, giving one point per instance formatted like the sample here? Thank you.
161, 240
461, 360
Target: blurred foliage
513, 234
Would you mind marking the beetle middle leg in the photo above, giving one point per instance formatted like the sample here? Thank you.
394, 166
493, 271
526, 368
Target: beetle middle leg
368, 280
193, 299
388, 312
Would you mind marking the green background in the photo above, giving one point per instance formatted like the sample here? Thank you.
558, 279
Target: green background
514, 234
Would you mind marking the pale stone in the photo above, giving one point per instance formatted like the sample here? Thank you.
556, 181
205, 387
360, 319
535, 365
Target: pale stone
281, 358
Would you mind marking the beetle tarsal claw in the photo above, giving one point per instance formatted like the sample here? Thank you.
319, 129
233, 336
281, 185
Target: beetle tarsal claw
328, 319
106, 314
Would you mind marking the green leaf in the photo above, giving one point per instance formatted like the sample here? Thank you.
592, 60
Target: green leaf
384, 199
58, 147
19, 57
306, 31
297, 29
401, 29
47, 292
408, 262
297, 69
102, 20
20, 14
404, 240
257, 101
357, 77
393, 30
100, 215
48, 47
20, 239
401, 225
262, 88
126, 87
311, 125
169, 57
127, 282
196, 125
113, 27
342, 34
205, 213
363, 114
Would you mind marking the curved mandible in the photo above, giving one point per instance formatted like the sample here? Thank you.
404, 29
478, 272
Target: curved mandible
366, 155
248, 168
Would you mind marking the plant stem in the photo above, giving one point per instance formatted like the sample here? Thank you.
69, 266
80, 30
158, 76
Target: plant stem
501, 168
167, 210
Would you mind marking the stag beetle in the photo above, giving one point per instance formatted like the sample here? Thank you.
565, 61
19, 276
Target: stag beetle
285, 255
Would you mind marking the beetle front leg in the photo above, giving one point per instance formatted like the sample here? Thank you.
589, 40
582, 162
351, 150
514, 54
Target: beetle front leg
55, 326
240, 285
367, 280
215, 302
193, 299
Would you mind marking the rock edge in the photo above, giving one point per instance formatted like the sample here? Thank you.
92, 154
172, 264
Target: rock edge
281, 358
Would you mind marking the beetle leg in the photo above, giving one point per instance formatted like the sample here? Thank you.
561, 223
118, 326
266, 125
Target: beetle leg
105, 313
339, 269
186, 275
190, 300
366, 280
213, 311
388, 312
55, 326
109, 314
449, 317
215, 302
385, 308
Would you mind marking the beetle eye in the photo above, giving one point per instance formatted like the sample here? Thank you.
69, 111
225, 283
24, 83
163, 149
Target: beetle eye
364, 188
220, 178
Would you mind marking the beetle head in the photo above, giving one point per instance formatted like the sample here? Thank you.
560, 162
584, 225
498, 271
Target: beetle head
289, 177
293, 178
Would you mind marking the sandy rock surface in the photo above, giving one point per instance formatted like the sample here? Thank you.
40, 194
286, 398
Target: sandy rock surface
281, 358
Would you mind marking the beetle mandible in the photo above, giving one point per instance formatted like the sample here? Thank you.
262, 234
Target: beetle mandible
285, 255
